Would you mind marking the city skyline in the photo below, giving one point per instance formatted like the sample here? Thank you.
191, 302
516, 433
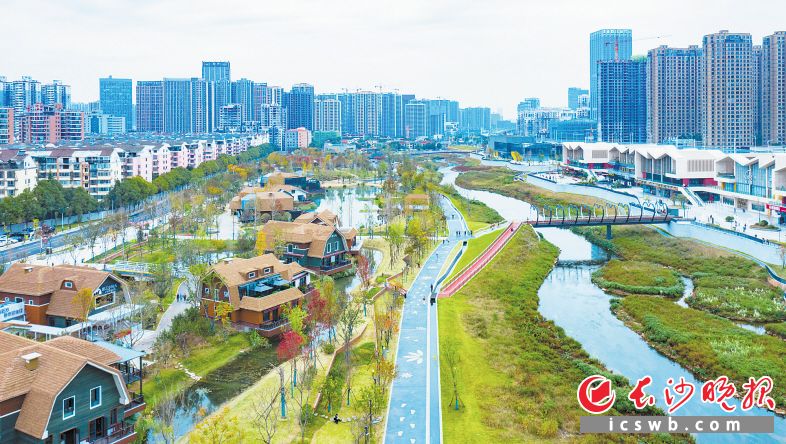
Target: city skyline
385, 43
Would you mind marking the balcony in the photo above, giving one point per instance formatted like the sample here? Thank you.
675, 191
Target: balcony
136, 405
336, 267
121, 433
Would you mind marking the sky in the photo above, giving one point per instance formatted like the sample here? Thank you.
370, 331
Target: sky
480, 52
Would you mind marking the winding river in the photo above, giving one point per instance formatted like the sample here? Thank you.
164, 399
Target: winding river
570, 299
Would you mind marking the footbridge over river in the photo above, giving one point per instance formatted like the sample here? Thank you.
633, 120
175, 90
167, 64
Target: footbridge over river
566, 216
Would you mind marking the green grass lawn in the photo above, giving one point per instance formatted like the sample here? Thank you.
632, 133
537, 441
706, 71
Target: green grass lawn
517, 372
777, 329
475, 247
708, 345
725, 284
201, 361
476, 214
634, 277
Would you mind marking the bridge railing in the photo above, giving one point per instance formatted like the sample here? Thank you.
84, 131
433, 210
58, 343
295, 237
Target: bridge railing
597, 214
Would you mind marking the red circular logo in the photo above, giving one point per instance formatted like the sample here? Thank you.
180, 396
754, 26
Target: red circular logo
595, 394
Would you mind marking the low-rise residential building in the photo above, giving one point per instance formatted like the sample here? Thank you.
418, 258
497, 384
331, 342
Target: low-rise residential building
65, 390
322, 248
137, 161
254, 203
297, 138
298, 194
161, 159
178, 155
307, 184
324, 217
49, 294
17, 172
94, 168
258, 291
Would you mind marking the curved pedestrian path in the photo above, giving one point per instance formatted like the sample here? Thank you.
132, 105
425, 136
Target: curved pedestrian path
414, 414
481, 261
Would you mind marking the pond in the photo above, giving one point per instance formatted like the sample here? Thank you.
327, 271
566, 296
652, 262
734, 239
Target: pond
570, 299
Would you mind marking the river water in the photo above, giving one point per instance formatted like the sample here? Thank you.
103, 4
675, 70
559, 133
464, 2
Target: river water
570, 299
226, 382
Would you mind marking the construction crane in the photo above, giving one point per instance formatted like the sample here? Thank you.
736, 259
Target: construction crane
617, 43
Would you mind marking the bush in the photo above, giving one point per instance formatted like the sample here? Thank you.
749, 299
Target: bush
257, 341
328, 348
729, 218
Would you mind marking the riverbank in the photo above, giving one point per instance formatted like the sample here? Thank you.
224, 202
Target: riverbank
476, 214
514, 371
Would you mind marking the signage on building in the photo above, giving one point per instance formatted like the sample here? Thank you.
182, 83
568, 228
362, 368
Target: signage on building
778, 208
11, 310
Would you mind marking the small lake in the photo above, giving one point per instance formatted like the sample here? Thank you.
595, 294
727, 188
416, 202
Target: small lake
570, 299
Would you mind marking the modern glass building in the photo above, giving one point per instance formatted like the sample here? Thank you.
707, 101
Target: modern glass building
475, 119
573, 96
177, 106
115, 97
392, 116
150, 106
622, 101
300, 106
606, 44
216, 71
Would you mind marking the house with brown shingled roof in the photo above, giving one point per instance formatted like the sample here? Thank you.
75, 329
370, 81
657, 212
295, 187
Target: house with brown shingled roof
321, 247
258, 290
48, 292
62, 391
253, 202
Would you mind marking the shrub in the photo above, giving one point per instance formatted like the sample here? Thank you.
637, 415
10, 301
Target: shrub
257, 341
328, 348
729, 218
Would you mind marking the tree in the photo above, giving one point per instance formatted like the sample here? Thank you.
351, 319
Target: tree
288, 349
348, 320
218, 428
84, 301
261, 244
80, 202
50, 197
165, 412
452, 359
223, 310
162, 277
331, 392
266, 414
363, 269
372, 399
395, 237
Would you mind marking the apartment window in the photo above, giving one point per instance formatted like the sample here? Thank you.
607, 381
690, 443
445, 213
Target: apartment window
95, 397
68, 284
267, 270
69, 407
252, 274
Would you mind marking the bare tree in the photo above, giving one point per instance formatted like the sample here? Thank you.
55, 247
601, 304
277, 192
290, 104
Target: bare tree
92, 232
165, 413
302, 398
266, 414
348, 320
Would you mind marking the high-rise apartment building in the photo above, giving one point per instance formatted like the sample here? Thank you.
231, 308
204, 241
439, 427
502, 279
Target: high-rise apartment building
622, 101
51, 124
56, 93
24, 93
150, 106
261, 97
574, 96
199, 106
216, 71
5, 92
243, 94
673, 93
327, 114
6, 126
391, 115
528, 104
231, 118
177, 105
606, 44
728, 97
773, 89
475, 119
415, 119
115, 96
347, 113
367, 113
300, 106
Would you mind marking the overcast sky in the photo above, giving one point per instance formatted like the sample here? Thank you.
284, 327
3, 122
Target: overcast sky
480, 52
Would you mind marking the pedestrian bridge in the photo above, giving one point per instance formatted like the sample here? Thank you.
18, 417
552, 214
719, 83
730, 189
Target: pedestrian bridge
560, 216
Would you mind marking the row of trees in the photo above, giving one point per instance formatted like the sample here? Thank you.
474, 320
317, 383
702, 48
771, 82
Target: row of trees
50, 200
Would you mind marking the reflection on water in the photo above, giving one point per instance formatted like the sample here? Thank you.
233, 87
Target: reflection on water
354, 206
570, 299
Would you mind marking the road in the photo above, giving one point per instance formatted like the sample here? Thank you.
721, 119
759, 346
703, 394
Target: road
414, 412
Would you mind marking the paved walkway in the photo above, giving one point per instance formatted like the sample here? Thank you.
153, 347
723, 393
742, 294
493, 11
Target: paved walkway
481, 261
175, 308
414, 414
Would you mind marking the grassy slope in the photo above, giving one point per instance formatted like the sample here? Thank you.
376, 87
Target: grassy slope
201, 361
474, 248
476, 214
518, 372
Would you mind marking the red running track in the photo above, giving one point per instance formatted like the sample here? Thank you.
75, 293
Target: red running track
474, 268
